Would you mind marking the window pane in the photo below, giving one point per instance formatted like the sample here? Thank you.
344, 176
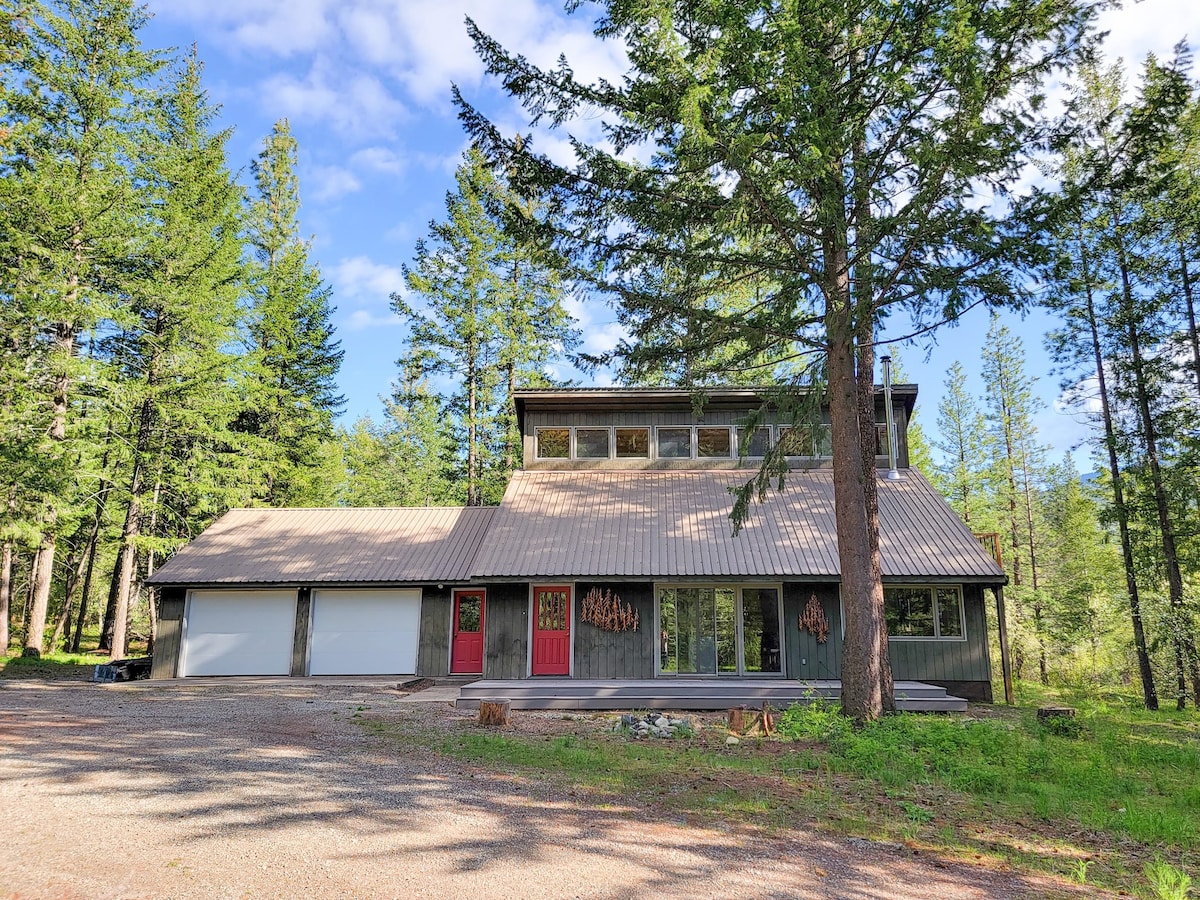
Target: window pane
668, 629
949, 613
757, 443
881, 447
909, 611
674, 443
726, 629
469, 617
553, 443
633, 443
760, 630
591, 443
713, 443
687, 602
797, 441
823, 441
706, 632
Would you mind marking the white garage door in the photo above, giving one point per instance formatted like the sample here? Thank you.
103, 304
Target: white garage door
365, 632
239, 633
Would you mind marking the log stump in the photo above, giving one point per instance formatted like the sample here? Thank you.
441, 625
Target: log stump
737, 719
495, 711
1055, 712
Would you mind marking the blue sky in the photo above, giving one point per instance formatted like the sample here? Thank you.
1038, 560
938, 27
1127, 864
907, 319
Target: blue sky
366, 86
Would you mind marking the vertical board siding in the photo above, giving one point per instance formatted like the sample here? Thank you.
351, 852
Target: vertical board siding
433, 646
806, 657
620, 654
165, 662
506, 638
300, 638
917, 660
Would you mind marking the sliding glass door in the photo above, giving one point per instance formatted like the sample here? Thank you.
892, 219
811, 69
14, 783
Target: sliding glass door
719, 630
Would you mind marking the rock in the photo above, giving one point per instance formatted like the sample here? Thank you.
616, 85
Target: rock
731, 741
661, 722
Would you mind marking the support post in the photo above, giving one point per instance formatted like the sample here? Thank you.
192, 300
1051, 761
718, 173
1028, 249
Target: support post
1005, 661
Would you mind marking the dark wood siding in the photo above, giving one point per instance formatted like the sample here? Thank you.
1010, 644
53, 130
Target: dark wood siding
433, 650
506, 642
620, 654
947, 661
170, 628
300, 637
807, 659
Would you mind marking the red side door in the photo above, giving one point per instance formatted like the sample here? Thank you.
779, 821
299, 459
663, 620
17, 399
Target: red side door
551, 630
466, 638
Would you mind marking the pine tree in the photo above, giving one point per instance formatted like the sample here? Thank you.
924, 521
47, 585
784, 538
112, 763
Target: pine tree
183, 291
961, 477
832, 151
291, 391
75, 102
490, 316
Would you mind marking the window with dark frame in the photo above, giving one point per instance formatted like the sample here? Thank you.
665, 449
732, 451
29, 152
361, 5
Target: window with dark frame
923, 611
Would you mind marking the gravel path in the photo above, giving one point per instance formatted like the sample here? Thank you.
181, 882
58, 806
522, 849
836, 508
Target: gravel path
219, 789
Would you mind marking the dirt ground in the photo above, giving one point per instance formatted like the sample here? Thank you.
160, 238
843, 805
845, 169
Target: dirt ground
240, 789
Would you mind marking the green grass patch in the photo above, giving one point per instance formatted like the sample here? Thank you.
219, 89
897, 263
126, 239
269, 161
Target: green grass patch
54, 666
1113, 801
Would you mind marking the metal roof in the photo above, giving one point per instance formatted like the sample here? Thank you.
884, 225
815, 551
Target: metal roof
332, 546
675, 524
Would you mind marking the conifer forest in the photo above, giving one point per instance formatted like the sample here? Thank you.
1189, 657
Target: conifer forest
168, 349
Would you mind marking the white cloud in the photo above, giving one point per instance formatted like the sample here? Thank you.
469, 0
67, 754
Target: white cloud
355, 102
380, 159
361, 277
281, 27
332, 183
363, 319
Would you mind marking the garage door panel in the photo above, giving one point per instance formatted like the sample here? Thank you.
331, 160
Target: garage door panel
365, 632
239, 633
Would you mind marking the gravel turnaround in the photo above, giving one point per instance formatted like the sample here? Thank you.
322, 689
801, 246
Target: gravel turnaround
226, 789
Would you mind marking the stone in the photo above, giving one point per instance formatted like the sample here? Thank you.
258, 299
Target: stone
661, 722
731, 741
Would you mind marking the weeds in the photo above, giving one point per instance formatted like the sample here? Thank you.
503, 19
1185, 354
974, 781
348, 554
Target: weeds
1167, 882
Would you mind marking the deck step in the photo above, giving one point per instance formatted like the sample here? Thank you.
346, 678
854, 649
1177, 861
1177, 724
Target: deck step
697, 694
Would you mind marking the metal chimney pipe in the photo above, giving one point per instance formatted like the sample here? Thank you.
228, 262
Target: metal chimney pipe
889, 417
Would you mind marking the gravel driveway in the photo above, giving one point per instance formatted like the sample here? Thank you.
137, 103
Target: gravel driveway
227, 789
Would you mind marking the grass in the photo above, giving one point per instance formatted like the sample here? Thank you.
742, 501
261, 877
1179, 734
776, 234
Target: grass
1114, 803
55, 666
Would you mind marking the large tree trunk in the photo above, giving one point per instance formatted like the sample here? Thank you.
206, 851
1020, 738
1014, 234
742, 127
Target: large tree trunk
862, 592
6, 567
43, 572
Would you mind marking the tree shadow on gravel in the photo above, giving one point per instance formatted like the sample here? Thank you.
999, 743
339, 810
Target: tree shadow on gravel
238, 760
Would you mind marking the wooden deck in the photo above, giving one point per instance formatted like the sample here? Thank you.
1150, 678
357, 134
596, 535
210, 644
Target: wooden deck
687, 693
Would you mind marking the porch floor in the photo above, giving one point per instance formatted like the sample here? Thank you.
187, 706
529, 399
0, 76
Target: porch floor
687, 693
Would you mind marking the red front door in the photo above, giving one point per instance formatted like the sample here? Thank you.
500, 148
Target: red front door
552, 630
466, 641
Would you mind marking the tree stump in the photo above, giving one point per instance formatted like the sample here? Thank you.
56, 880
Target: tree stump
495, 711
737, 719
1055, 712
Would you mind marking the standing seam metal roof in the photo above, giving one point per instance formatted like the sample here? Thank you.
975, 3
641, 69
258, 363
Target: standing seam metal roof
394, 545
676, 524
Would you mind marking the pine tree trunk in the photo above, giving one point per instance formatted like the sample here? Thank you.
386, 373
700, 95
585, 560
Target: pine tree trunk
110, 609
1189, 301
43, 571
862, 595
1043, 672
472, 439
1146, 673
6, 567
1166, 523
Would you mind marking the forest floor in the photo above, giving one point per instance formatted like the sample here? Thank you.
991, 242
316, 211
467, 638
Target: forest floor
237, 788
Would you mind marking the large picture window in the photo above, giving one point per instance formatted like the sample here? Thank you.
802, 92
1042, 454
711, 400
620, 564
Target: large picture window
924, 611
719, 630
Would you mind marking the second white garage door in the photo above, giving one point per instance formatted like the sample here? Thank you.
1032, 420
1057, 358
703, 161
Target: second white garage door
365, 632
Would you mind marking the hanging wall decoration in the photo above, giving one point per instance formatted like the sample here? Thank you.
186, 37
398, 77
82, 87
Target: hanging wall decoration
813, 619
604, 610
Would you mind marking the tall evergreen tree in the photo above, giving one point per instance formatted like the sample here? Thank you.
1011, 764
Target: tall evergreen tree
291, 392
75, 103
183, 291
833, 151
961, 476
490, 316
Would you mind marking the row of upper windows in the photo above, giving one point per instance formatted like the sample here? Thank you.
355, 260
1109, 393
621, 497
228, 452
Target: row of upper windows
687, 442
